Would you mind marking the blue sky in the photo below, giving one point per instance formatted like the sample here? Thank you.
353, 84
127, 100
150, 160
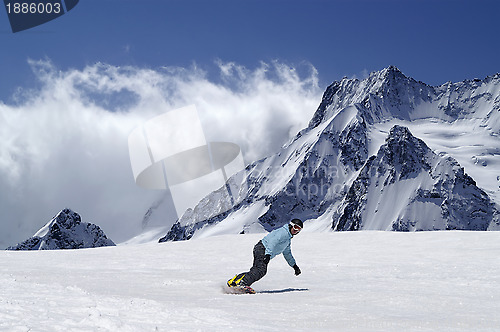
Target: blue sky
433, 41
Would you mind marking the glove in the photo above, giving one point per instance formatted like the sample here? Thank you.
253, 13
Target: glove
267, 259
297, 270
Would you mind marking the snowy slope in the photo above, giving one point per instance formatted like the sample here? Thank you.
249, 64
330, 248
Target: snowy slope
310, 177
350, 281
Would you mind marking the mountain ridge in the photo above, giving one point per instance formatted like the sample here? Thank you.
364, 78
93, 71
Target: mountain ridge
310, 176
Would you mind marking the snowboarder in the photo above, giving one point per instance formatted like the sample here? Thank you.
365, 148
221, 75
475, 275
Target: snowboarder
275, 243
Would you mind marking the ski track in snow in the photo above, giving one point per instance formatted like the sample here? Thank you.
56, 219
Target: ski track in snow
351, 281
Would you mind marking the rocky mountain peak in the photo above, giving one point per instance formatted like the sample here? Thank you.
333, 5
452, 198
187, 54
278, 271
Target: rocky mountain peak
65, 231
389, 75
404, 152
383, 94
67, 218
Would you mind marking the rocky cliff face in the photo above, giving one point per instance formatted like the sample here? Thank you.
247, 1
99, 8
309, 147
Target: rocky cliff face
65, 231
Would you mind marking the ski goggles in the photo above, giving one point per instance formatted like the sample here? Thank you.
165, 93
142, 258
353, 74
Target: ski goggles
296, 227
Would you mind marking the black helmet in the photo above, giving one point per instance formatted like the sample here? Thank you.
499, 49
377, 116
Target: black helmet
297, 222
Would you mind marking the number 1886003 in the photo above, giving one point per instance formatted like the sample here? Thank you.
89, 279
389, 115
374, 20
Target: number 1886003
34, 8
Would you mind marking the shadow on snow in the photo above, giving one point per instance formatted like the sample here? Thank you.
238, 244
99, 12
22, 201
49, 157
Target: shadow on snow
287, 290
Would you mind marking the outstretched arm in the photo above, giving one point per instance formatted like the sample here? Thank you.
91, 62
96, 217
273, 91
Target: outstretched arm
288, 256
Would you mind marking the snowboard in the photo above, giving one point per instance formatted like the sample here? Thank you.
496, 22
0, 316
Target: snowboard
239, 290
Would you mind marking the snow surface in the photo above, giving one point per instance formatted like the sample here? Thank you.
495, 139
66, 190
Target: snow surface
351, 281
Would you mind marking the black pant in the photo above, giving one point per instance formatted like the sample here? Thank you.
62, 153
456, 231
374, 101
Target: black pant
259, 268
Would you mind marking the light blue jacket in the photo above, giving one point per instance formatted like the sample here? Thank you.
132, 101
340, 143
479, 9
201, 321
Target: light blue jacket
278, 242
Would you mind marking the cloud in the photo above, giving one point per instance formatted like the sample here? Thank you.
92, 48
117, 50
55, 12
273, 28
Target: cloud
64, 144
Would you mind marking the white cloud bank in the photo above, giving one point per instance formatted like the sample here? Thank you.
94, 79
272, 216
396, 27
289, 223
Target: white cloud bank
65, 143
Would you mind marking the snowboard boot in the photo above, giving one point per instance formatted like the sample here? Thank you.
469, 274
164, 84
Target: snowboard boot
236, 281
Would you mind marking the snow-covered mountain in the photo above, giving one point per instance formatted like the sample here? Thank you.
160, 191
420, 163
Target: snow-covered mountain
412, 188
65, 231
358, 165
